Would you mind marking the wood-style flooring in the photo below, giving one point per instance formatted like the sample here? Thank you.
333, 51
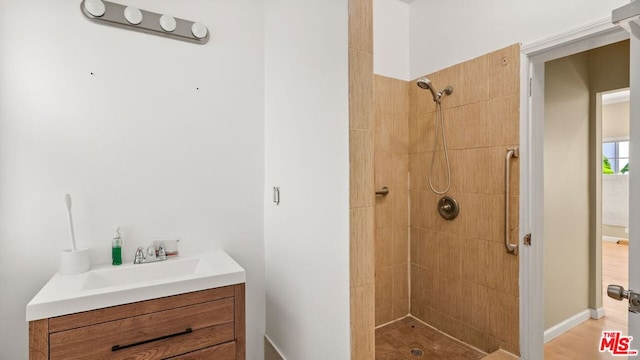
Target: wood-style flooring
396, 340
582, 341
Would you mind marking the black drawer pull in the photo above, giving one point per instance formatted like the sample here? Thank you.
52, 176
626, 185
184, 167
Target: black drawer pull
120, 347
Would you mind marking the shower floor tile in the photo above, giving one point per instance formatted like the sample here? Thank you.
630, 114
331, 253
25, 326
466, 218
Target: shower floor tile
395, 342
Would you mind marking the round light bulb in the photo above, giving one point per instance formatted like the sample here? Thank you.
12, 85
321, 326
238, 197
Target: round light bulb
94, 7
167, 22
133, 15
199, 30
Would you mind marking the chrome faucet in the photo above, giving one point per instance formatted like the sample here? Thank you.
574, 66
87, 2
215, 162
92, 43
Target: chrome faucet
153, 255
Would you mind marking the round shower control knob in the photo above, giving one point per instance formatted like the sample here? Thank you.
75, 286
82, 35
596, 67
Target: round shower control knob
448, 207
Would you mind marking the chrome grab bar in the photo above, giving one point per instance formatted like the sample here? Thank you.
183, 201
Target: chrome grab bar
511, 152
383, 192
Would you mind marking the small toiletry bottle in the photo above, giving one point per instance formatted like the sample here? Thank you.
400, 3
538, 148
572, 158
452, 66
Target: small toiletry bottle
116, 248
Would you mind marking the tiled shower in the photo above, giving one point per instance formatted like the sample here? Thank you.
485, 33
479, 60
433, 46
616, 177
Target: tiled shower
453, 275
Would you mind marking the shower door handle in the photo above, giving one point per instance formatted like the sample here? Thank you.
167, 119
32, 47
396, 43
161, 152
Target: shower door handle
511, 153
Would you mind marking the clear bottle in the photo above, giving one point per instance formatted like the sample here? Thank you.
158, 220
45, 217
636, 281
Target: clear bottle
116, 248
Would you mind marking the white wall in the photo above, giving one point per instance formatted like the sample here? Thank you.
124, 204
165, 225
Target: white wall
444, 33
307, 155
391, 39
615, 200
135, 144
615, 121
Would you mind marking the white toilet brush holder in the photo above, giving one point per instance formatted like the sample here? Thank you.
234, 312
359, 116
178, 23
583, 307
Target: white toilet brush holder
74, 261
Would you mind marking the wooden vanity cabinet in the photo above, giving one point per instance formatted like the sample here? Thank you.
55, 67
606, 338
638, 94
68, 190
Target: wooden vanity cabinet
207, 324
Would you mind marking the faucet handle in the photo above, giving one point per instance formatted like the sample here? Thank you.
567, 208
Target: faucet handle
139, 257
151, 253
162, 254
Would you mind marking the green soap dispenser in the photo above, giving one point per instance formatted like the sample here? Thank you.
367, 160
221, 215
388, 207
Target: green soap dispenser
116, 248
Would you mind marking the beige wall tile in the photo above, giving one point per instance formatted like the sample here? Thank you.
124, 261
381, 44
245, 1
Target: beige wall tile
384, 248
469, 259
383, 113
504, 120
400, 248
467, 255
472, 85
477, 129
362, 192
429, 203
400, 193
400, 290
416, 217
392, 211
383, 161
448, 254
490, 260
447, 291
480, 339
400, 104
421, 130
417, 309
418, 288
384, 286
383, 315
452, 326
415, 242
362, 322
431, 250
431, 282
361, 143
384, 212
504, 71
362, 246
361, 25
360, 90
507, 319
418, 170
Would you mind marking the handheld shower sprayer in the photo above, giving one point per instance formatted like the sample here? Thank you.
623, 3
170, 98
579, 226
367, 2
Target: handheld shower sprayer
425, 83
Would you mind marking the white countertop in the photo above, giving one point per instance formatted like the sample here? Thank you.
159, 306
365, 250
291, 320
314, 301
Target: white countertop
68, 294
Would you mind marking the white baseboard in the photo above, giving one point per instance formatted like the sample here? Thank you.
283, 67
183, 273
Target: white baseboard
597, 313
610, 239
274, 347
566, 325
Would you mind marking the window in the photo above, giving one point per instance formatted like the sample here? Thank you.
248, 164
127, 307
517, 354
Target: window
617, 152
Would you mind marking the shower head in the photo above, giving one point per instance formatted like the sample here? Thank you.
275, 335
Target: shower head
425, 83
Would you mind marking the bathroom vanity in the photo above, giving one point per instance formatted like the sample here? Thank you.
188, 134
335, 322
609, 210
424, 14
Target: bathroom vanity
197, 314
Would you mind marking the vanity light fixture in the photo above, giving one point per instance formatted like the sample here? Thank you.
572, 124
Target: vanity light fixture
132, 18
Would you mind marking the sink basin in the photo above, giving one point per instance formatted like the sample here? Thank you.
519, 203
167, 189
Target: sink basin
107, 285
132, 274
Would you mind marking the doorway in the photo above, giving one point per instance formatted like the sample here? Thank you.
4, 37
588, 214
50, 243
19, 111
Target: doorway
586, 291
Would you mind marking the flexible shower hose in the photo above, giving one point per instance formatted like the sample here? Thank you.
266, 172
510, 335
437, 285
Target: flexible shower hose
439, 116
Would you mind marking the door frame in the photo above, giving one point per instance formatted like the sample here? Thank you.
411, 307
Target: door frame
533, 57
